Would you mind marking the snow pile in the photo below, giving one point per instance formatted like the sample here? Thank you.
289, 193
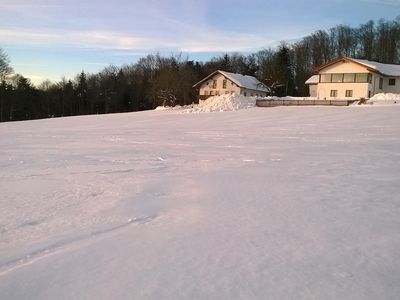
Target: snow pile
384, 98
229, 102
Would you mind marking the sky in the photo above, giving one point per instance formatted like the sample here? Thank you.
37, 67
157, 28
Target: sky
49, 39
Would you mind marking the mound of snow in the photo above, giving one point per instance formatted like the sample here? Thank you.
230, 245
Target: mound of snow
229, 102
384, 98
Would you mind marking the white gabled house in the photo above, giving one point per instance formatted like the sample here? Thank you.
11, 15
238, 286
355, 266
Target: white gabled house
349, 78
221, 83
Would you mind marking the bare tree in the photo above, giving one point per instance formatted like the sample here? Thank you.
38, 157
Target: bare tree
5, 67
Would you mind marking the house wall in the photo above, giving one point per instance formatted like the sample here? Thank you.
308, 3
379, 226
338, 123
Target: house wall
313, 88
395, 89
251, 93
345, 67
207, 89
386, 88
360, 90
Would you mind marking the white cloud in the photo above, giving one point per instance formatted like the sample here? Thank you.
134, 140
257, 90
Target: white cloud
155, 25
218, 42
187, 41
80, 39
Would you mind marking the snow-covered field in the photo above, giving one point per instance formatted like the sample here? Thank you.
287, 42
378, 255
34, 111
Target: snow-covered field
262, 203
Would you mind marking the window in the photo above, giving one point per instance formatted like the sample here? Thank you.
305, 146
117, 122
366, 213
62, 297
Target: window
392, 81
349, 93
224, 84
206, 93
362, 77
350, 77
380, 83
226, 92
214, 84
345, 77
244, 94
211, 93
325, 78
333, 93
337, 77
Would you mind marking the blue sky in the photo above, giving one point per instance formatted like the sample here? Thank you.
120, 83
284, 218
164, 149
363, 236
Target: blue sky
55, 38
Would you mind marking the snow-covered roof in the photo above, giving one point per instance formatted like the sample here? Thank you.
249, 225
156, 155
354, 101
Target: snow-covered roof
372, 66
244, 81
386, 69
313, 79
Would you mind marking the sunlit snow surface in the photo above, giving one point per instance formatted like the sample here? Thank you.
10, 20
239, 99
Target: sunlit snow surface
263, 203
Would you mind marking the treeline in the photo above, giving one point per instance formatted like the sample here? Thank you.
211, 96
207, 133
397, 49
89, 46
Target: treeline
156, 80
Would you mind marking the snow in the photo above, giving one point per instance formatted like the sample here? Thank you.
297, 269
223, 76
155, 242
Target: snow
277, 203
246, 81
387, 69
289, 98
228, 102
313, 80
385, 99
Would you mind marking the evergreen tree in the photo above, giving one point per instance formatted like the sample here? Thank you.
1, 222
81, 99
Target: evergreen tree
81, 93
284, 72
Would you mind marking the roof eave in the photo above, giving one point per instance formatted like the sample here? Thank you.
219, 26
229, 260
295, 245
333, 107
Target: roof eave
231, 78
205, 78
344, 58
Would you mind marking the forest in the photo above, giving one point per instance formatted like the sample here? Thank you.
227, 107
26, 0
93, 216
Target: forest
168, 80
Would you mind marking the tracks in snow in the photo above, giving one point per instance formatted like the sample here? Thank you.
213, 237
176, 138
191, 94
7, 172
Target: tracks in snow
60, 246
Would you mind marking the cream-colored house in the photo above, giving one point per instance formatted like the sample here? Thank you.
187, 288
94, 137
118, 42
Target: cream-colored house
349, 78
221, 83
